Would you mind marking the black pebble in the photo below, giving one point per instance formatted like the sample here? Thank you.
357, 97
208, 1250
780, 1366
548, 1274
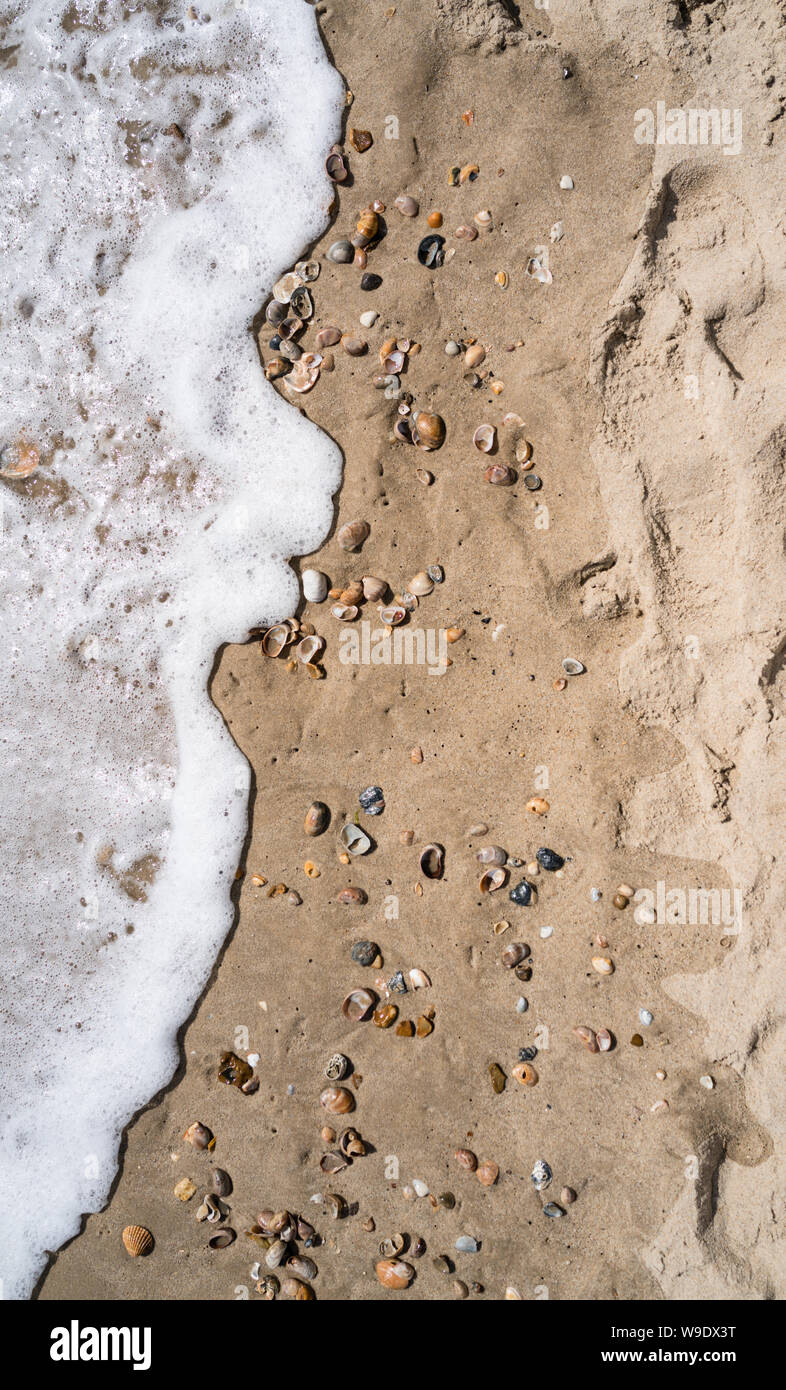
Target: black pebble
549, 859
370, 282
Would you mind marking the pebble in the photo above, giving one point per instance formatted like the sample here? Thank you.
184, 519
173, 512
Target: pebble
341, 252
566, 182
522, 1005
707, 1082
546, 932
595, 895
369, 318
645, 1017
420, 1188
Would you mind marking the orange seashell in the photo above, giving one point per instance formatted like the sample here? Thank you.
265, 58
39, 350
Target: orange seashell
525, 1074
395, 1274
337, 1099
137, 1240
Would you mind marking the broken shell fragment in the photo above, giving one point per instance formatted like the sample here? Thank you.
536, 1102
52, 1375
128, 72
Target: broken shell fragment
275, 639
18, 460
538, 805
484, 438
419, 979
500, 475
395, 1274
586, 1037
541, 1175
431, 251
137, 1240
309, 649
352, 897
336, 1067
337, 1100
392, 614
359, 1004
354, 839
335, 167
522, 893
492, 880
487, 1173
549, 859
360, 140
372, 800
432, 861
385, 1015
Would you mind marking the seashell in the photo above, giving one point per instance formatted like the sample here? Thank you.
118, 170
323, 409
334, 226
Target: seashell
424, 1026
337, 1099
620, 901
184, 1190
341, 252
525, 1074
533, 483
557, 231
605, 1040
315, 586
566, 182
308, 271
351, 1144
317, 818
353, 594
293, 1288
500, 475
138, 1240
501, 279
405, 1029
428, 431
372, 800
200, 1136
284, 288
369, 282
586, 1037
473, 357
345, 612
603, 965
275, 639
301, 303
549, 859
367, 225
232, 1070
419, 979
276, 368
393, 1245
334, 1162
353, 534
357, 1007
465, 233
538, 805
226, 1236
397, 984
572, 667
374, 589
302, 377
328, 337
385, 1015
466, 1159
309, 649
468, 174
222, 1183
354, 347
392, 614
492, 880
276, 312
487, 1172
409, 602
395, 1274
515, 952
352, 897
354, 839
365, 952
336, 1067
360, 140
431, 251
483, 220
537, 269
301, 1267
277, 1254
432, 861
492, 854
336, 168
403, 430
421, 584
407, 206
268, 1287
553, 1209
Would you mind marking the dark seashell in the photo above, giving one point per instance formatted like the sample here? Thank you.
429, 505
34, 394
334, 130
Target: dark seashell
431, 251
275, 342
317, 818
549, 859
305, 1231
275, 313
301, 303
336, 168
403, 429
222, 1183
291, 350
233, 1071
372, 800
369, 281
523, 971
515, 952
365, 952
553, 1209
397, 984
287, 330
222, 1238
527, 1054
432, 861
522, 893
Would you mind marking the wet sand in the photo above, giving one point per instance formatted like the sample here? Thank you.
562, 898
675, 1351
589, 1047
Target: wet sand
619, 570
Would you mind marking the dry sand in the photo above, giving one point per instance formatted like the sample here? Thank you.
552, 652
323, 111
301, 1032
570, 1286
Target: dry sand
652, 390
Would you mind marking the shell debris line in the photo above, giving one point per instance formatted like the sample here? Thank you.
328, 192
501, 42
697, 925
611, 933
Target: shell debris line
448, 1012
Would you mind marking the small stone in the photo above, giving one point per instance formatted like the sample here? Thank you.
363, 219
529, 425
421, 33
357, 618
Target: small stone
645, 1017
566, 182
420, 1187
567, 1196
522, 1005
184, 1190
498, 1078
369, 318
546, 932
595, 895
707, 1082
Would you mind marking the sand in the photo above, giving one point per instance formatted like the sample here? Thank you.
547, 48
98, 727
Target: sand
651, 389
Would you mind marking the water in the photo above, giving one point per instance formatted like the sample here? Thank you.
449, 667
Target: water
173, 486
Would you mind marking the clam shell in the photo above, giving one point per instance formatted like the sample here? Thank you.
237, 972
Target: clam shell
500, 475
345, 612
395, 1274
432, 861
493, 879
302, 377
335, 167
492, 854
474, 355
353, 534
275, 639
429, 431
408, 207
351, 897
308, 271
328, 337
421, 584
317, 818
525, 1074
572, 667
354, 839
358, 1005
541, 1175
301, 303
374, 589
137, 1240
392, 615
309, 649
337, 1100
341, 252
586, 1037
226, 1236
419, 979
284, 288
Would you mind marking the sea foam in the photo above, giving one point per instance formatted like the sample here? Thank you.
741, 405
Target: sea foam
174, 486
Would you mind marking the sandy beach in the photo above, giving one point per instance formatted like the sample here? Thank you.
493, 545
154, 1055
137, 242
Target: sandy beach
639, 361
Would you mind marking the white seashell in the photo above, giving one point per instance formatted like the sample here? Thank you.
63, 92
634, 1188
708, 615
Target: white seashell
354, 839
645, 1017
546, 932
315, 586
419, 979
284, 288
484, 438
421, 584
345, 612
707, 1082
565, 182
309, 649
420, 1188
572, 666
369, 318
557, 232
537, 270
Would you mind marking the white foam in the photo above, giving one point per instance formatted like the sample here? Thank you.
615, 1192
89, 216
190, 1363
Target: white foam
132, 271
